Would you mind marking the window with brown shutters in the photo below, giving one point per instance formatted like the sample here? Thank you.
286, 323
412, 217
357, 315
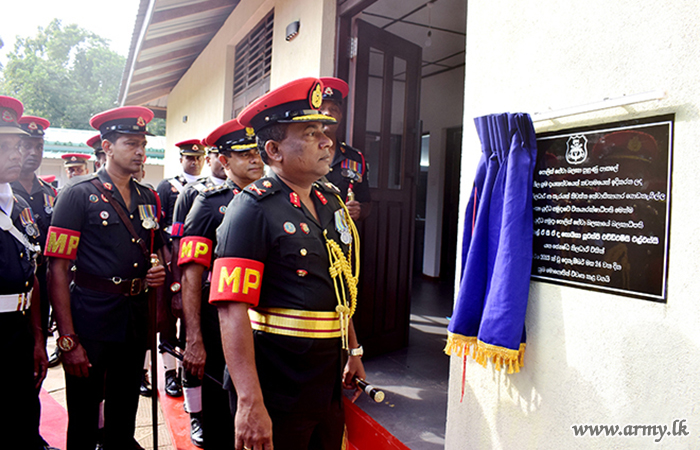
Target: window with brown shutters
252, 62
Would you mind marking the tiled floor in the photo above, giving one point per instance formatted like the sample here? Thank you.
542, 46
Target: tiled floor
415, 378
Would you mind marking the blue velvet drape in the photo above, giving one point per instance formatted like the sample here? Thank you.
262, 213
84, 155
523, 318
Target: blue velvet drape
489, 315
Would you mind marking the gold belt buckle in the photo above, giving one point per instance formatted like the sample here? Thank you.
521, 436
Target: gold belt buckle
135, 288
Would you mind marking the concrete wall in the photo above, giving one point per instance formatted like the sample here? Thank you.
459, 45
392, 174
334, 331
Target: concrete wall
591, 357
205, 92
441, 108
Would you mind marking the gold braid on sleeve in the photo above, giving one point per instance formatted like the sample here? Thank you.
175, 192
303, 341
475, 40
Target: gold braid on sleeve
341, 270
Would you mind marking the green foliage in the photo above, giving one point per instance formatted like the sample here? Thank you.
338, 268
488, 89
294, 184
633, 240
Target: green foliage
65, 73
156, 126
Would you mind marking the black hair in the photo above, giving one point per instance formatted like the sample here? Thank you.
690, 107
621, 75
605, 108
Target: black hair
276, 132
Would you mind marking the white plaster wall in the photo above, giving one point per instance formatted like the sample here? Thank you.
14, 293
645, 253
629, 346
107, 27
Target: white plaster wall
441, 108
591, 357
205, 92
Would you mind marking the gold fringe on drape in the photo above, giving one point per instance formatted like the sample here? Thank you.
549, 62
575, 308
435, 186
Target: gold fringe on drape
481, 352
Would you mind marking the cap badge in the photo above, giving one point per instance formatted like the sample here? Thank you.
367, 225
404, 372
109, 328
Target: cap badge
289, 228
32, 126
195, 147
316, 96
7, 116
73, 158
249, 132
328, 91
140, 122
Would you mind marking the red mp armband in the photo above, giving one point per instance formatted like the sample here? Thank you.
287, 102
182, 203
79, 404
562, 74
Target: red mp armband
62, 243
195, 249
236, 280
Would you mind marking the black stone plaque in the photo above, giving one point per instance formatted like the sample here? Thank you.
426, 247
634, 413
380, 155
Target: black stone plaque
601, 198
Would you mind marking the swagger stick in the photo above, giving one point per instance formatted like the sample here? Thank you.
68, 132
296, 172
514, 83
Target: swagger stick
374, 392
167, 347
152, 298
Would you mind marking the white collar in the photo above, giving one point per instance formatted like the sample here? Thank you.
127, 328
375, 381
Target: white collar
190, 178
6, 198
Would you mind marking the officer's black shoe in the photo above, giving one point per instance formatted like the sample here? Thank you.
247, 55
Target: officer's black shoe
172, 384
55, 358
145, 390
196, 431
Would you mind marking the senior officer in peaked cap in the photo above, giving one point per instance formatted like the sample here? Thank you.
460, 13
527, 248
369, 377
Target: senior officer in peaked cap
95, 143
107, 224
348, 166
20, 323
238, 155
275, 248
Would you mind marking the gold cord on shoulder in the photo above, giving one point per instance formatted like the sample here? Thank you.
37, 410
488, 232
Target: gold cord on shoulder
341, 270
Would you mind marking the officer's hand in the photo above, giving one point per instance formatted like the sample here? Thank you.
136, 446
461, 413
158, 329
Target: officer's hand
354, 208
253, 427
41, 363
76, 362
194, 358
155, 275
353, 368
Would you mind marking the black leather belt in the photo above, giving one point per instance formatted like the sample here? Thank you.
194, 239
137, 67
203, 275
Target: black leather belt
114, 285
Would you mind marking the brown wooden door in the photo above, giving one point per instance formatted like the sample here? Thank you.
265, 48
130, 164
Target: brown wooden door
385, 126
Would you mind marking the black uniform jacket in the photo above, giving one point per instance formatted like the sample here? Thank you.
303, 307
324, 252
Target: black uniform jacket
184, 203
41, 199
106, 250
17, 274
168, 196
350, 169
267, 223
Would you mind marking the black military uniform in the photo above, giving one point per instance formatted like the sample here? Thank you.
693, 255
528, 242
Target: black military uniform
16, 280
204, 218
108, 297
111, 324
267, 223
41, 199
349, 171
184, 202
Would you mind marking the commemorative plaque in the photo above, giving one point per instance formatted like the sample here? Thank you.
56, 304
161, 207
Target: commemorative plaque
601, 199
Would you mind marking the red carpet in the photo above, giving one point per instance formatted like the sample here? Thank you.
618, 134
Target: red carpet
54, 421
176, 419
364, 433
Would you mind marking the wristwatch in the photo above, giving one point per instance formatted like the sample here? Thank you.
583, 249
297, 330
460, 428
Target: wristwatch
67, 342
356, 351
175, 287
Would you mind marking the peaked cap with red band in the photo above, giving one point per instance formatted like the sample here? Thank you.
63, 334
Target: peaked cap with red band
10, 111
334, 89
75, 159
232, 137
96, 143
34, 126
191, 147
126, 119
296, 101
